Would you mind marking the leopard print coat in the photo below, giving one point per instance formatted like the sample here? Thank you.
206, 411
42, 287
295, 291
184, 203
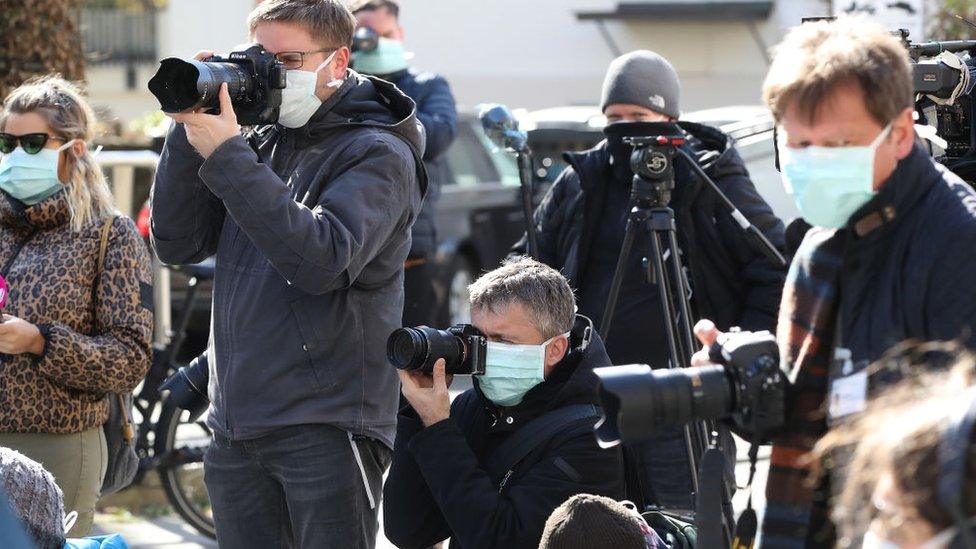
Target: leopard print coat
52, 284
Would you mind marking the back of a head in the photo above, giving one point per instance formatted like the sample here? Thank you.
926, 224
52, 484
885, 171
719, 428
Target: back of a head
586, 521
328, 22
815, 58
34, 497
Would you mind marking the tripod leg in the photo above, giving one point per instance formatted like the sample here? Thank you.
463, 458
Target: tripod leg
681, 281
618, 276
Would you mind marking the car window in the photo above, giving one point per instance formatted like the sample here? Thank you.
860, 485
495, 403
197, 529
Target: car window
468, 158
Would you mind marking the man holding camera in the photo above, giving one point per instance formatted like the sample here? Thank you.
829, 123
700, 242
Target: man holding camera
488, 469
436, 110
580, 227
890, 257
309, 219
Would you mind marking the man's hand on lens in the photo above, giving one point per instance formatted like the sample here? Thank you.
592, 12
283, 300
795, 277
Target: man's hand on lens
428, 394
204, 131
17, 336
707, 334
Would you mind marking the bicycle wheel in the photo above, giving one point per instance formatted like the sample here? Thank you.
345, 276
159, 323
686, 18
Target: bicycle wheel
180, 445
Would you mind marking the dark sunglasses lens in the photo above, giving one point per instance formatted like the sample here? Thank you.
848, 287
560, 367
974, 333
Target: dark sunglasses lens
33, 143
7, 143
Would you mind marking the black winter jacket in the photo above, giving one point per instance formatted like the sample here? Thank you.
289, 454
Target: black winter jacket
438, 486
437, 111
310, 227
732, 284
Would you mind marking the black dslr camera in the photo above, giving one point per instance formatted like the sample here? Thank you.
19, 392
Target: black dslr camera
462, 347
745, 386
253, 76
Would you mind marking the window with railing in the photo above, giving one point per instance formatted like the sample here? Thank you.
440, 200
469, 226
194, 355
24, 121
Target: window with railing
118, 36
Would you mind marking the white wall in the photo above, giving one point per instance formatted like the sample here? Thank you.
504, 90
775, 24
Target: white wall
527, 53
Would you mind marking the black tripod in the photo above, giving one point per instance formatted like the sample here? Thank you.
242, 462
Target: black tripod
653, 165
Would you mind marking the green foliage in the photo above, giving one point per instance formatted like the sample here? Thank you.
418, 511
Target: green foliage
39, 37
944, 25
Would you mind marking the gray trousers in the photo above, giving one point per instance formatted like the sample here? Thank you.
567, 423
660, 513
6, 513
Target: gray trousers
301, 486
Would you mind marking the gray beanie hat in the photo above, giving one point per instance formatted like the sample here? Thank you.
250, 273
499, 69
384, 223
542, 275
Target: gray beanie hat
643, 78
34, 497
586, 521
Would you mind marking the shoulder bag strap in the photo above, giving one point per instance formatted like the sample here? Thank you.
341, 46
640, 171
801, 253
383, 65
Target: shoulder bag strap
127, 431
532, 435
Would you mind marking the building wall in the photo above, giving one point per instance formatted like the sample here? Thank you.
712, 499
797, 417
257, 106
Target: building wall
526, 53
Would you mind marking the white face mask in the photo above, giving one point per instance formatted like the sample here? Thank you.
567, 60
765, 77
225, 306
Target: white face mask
298, 99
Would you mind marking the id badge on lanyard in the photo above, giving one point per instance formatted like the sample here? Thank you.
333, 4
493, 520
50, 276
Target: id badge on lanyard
848, 383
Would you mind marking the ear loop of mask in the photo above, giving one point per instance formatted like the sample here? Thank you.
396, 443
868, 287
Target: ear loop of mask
335, 82
69, 521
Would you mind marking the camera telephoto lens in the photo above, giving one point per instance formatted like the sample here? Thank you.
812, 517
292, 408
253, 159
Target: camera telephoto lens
638, 401
186, 84
418, 349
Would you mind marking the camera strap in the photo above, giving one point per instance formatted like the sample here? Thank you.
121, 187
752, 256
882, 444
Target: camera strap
746, 526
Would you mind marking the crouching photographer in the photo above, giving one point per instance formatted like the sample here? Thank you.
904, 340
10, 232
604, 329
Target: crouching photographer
489, 469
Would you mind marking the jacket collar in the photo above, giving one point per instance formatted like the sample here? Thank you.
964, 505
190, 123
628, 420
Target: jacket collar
912, 179
49, 213
572, 381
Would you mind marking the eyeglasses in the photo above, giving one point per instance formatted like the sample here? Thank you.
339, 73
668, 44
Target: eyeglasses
295, 59
31, 142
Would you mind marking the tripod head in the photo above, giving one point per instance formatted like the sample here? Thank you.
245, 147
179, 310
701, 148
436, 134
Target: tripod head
653, 165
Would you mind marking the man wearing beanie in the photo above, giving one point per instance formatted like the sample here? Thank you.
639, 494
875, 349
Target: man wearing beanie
580, 226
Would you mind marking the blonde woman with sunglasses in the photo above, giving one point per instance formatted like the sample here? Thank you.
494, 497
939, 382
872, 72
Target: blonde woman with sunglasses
77, 324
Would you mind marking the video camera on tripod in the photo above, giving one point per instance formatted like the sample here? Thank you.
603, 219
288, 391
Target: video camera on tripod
635, 398
944, 76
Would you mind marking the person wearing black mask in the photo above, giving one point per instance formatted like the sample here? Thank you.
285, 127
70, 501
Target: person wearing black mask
437, 111
581, 222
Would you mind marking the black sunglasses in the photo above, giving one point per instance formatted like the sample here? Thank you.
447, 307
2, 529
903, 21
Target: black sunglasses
31, 142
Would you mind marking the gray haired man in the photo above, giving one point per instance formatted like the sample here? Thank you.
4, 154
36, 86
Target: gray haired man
449, 476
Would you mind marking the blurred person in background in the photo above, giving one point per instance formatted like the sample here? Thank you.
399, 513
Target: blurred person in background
437, 111
75, 328
909, 462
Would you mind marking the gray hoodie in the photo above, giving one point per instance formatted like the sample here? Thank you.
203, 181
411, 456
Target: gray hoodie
310, 228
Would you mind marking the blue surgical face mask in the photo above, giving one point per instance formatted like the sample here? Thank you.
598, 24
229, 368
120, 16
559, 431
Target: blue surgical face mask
829, 184
512, 370
30, 178
388, 57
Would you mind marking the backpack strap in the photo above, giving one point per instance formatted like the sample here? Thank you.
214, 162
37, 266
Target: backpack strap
501, 463
128, 432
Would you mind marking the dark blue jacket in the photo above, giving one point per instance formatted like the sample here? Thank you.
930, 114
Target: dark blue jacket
912, 277
732, 284
438, 486
437, 112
